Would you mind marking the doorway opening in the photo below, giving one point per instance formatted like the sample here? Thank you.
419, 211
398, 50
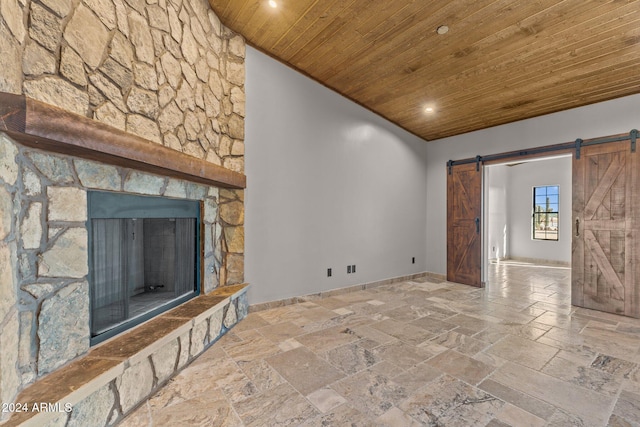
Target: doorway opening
516, 213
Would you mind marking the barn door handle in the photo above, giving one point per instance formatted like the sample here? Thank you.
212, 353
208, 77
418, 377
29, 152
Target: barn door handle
577, 227
477, 225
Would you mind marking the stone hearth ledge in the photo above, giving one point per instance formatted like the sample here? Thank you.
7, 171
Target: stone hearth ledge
105, 363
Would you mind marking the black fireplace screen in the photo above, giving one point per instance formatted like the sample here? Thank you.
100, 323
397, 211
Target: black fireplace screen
143, 253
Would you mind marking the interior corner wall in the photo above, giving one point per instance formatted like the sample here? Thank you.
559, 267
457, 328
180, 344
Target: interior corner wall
601, 119
329, 184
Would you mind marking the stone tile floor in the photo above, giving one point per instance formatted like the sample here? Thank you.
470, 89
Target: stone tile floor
416, 353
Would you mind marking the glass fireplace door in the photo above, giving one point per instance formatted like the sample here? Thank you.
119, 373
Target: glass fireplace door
142, 263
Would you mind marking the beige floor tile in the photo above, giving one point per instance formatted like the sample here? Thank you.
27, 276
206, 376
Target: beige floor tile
304, 370
515, 353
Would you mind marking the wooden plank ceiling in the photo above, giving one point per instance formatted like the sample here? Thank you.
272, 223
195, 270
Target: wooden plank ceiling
501, 61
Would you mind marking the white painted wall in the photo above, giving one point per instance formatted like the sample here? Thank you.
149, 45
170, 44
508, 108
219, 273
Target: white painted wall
522, 179
496, 233
605, 118
328, 184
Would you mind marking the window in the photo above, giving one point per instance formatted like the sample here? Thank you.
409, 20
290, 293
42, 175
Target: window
545, 212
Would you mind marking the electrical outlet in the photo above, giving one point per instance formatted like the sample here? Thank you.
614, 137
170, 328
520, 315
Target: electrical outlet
348, 269
328, 272
413, 260
353, 268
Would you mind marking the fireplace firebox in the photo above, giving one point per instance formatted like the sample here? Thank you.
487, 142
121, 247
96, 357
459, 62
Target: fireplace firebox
144, 258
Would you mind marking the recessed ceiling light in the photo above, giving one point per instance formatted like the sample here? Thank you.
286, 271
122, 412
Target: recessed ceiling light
442, 29
273, 3
429, 110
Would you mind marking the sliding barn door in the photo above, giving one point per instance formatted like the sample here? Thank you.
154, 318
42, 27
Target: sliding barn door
464, 198
606, 229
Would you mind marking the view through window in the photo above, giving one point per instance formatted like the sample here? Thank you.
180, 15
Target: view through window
545, 212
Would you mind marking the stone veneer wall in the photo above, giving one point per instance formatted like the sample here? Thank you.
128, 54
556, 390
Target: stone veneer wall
165, 70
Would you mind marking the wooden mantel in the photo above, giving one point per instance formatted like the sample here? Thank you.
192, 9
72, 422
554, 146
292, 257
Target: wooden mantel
39, 125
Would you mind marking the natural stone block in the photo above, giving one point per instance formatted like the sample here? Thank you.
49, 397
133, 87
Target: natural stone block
8, 278
235, 269
44, 27
199, 34
120, 75
6, 212
31, 227
87, 35
142, 183
175, 188
199, 338
238, 100
63, 327
95, 410
231, 317
242, 304
122, 17
13, 17
31, 183
56, 91
72, 66
215, 324
172, 141
237, 46
189, 75
54, 168
9, 344
67, 257
140, 36
175, 24
165, 361
108, 89
158, 18
185, 345
235, 73
172, 70
11, 75
97, 175
235, 164
189, 47
143, 102
232, 212
165, 95
67, 204
8, 164
238, 148
59, 7
109, 114
191, 125
121, 50
236, 127
143, 127
170, 118
234, 238
134, 384
105, 10
145, 76
26, 361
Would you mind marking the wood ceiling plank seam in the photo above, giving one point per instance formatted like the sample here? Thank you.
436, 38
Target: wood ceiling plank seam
316, 46
341, 63
437, 73
521, 80
242, 21
552, 54
390, 49
572, 88
390, 71
446, 65
334, 59
312, 30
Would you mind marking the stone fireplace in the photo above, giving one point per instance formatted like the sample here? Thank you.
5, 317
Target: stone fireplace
125, 97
